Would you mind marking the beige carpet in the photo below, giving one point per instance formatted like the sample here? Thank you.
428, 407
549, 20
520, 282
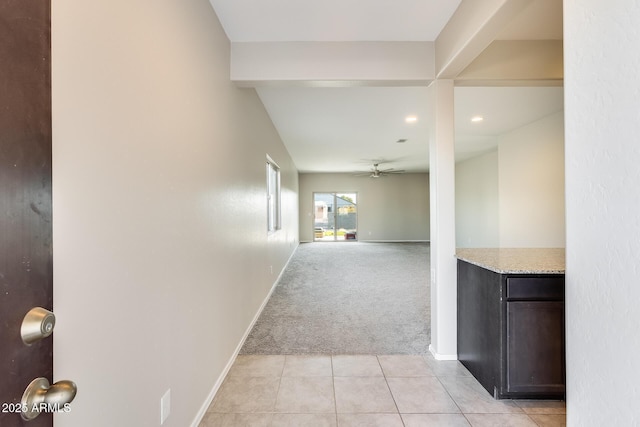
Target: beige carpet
348, 298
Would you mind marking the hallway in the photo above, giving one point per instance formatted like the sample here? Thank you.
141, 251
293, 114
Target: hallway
291, 371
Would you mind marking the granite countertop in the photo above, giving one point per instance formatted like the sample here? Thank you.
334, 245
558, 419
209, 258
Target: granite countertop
516, 260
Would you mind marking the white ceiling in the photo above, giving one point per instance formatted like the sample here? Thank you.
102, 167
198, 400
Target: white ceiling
542, 20
503, 109
345, 129
333, 20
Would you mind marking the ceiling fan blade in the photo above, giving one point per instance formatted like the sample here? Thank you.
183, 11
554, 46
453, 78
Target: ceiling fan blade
375, 172
391, 170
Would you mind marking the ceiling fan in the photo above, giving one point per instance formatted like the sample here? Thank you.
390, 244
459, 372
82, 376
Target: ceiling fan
376, 173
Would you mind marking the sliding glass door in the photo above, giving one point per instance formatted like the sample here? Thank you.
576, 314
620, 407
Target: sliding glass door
335, 217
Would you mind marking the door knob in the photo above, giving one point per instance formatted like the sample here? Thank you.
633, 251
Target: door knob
37, 324
40, 396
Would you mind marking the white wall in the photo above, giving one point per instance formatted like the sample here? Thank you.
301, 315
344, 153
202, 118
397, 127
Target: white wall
477, 202
531, 170
514, 197
602, 100
393, 207
161, 255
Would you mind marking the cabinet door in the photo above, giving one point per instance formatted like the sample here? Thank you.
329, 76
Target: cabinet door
535, 347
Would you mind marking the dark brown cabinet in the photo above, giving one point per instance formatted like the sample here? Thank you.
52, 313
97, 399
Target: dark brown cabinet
511, 331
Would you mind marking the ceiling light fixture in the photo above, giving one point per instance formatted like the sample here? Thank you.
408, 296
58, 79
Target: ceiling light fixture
401, 141
411, 119
477, 119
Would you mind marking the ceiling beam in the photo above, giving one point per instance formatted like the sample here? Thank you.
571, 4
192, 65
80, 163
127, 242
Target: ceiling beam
332, 63
516, 62
472, 28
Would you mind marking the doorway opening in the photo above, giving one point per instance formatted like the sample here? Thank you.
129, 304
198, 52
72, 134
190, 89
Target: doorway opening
335, 217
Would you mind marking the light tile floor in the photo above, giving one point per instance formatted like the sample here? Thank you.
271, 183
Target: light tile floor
367, 391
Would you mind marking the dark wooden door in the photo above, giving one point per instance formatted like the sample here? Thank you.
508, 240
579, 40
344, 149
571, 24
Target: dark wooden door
26, 267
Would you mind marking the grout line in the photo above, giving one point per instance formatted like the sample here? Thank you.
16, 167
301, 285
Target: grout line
451, 397
333, 383
384, 375
275, 403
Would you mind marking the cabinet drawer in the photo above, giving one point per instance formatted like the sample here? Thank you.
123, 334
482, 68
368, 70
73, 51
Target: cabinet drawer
535, 288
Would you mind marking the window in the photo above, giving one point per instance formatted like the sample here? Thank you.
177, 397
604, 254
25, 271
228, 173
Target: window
273, 196
336, 216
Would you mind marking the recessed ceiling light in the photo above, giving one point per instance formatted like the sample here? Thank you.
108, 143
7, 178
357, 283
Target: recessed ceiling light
477, 119
411, 119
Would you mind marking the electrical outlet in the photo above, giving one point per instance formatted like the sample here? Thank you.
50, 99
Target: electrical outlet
165, 406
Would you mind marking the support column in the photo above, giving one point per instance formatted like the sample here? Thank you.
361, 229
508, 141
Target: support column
443, 237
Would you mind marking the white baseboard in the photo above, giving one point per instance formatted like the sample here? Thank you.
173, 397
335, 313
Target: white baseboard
377, 241
212, 394
440, 356
394, 241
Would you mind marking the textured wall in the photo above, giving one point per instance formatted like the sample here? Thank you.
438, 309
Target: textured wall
602, 101
161, 251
